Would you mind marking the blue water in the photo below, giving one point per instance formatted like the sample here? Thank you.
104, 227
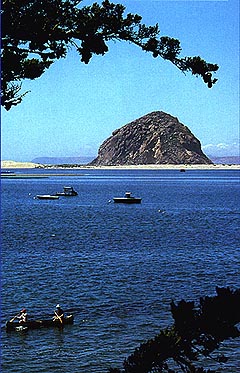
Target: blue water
116, 266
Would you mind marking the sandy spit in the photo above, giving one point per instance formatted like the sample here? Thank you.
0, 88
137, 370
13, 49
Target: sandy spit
13, 164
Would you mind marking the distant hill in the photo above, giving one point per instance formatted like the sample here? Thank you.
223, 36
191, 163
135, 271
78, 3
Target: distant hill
62, 160
225, 160
156, 138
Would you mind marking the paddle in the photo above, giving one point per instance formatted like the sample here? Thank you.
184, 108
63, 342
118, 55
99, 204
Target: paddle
15, 317
58, 317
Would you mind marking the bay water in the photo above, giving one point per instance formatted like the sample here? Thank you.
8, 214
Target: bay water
116, 267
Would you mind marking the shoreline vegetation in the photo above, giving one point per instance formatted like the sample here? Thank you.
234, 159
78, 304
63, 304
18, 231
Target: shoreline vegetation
30, 165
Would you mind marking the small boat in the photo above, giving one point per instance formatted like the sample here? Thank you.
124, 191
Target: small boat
7, 172
46, 196
38, 324
67, 192
127, 199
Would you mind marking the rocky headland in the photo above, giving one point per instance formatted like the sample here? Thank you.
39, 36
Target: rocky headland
157, 139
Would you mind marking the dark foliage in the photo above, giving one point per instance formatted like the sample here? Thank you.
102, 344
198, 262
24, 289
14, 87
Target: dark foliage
36, 33
196, 333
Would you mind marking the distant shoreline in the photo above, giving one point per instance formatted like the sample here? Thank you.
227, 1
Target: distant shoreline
30, 165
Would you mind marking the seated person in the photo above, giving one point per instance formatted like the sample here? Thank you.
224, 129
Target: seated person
23, 316
59, 314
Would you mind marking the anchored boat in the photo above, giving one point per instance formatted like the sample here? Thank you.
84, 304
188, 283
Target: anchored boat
38, 324
67, 192
129, 199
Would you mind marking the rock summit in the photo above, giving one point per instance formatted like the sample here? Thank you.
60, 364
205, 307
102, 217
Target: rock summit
156, 138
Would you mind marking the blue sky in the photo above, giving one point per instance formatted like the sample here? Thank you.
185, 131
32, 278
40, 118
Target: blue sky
74, 107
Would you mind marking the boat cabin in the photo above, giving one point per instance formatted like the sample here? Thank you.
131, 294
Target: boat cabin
67, 192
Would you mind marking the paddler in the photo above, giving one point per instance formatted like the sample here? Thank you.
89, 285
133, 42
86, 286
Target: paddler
58, 314
22, 316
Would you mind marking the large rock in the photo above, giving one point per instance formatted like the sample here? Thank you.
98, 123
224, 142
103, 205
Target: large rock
156, 138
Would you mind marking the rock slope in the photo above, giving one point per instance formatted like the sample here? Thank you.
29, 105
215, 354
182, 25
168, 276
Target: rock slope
156, 138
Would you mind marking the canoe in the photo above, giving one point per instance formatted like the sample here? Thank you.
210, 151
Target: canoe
38, 324
127, 199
